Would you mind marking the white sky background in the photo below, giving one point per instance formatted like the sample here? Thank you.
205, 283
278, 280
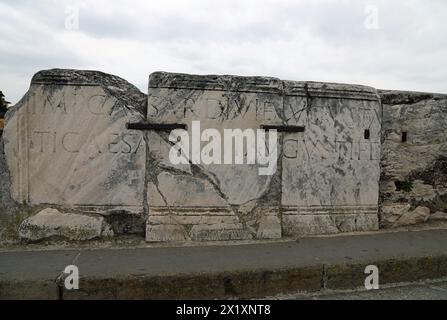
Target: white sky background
326, 40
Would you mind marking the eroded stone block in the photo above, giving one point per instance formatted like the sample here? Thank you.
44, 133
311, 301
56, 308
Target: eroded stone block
327, 173
439, 215
318, 224
402, 214
331, 171
51, 223
166, 233
414, 161
66, 142
205, 192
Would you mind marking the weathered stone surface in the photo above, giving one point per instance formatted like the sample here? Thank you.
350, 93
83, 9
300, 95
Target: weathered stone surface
414, 161
66, 142
439, 216
8, 207
310, 224
398, 215
268, 227
124, 222
330, 172
193, 195
391, 212
165, 233
7, 204
51, 223
418, 215
331, 169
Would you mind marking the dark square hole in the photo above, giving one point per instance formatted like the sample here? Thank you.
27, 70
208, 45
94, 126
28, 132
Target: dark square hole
404, 136
405, 186
366, 134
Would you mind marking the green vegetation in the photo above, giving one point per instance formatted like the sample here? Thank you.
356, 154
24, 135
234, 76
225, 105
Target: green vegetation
405, 186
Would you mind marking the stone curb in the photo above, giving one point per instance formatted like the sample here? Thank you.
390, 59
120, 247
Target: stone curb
243, 284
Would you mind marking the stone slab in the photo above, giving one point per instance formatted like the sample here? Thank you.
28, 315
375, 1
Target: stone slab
331, 171
66, 142
236, 191
51, 223
332, 165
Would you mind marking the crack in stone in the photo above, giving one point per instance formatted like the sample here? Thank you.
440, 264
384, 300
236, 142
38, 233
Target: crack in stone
198, 172
146, 179
202, 174
308, 96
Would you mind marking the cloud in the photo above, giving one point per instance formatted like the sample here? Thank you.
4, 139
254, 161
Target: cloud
323, 40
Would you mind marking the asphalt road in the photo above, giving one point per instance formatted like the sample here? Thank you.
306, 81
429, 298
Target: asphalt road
248, 270
181, 260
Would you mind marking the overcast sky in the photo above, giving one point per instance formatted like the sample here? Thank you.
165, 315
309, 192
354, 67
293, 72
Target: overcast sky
386, 44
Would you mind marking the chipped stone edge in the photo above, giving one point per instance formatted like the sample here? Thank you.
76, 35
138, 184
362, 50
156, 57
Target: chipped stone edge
256, 84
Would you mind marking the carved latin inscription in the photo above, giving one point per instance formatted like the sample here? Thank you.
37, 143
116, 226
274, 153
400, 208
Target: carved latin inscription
72, 147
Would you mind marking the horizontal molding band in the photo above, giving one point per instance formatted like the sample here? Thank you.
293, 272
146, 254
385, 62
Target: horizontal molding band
262, 85
328, 213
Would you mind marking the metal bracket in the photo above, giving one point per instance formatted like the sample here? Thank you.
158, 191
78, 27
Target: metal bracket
156, 126
284, 128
